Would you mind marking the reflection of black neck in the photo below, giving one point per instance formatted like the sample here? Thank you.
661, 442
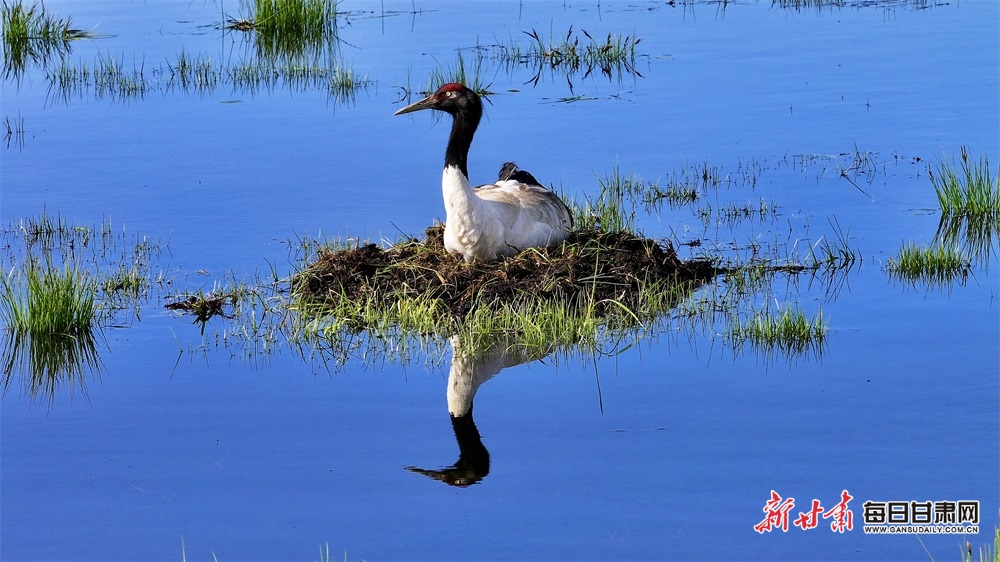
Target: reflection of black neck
473, 462
472, 454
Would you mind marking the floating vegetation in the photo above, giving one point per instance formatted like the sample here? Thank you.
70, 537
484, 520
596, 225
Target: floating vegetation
935, 265
204, 307
291, 32
790, 332
603, 282
32, 35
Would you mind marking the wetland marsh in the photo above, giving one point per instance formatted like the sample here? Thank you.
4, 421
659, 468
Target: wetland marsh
230, 330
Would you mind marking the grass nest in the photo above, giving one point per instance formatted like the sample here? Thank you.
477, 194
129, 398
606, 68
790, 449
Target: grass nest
606, 269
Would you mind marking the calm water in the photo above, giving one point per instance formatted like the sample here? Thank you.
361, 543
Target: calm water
669, 450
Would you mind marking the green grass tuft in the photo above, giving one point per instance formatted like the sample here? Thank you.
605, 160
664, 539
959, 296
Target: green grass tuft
43, 299
972, 190
791, 332
935, 265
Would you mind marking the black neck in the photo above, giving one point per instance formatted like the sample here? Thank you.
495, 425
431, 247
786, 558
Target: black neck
463, 127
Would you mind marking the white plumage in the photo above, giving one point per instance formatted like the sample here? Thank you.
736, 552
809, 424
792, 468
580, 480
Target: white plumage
488, 222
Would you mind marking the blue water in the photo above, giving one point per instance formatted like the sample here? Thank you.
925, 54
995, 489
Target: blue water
666, 451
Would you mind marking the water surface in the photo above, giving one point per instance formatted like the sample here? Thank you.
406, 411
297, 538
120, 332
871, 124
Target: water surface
668, 450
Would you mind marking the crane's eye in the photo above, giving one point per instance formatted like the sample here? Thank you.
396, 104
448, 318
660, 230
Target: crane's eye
450, 94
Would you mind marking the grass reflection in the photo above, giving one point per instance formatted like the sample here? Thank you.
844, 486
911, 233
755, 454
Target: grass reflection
976, 235
821, 4
49, 363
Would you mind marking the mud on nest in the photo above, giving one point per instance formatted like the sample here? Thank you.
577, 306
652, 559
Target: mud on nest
602, 266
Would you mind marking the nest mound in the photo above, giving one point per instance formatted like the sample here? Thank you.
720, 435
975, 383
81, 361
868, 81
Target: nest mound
604, 266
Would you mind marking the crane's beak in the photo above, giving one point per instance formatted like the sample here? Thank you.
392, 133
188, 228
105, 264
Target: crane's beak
426, 103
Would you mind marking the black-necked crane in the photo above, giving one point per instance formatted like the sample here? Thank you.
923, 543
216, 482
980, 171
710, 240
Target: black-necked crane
488, 222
